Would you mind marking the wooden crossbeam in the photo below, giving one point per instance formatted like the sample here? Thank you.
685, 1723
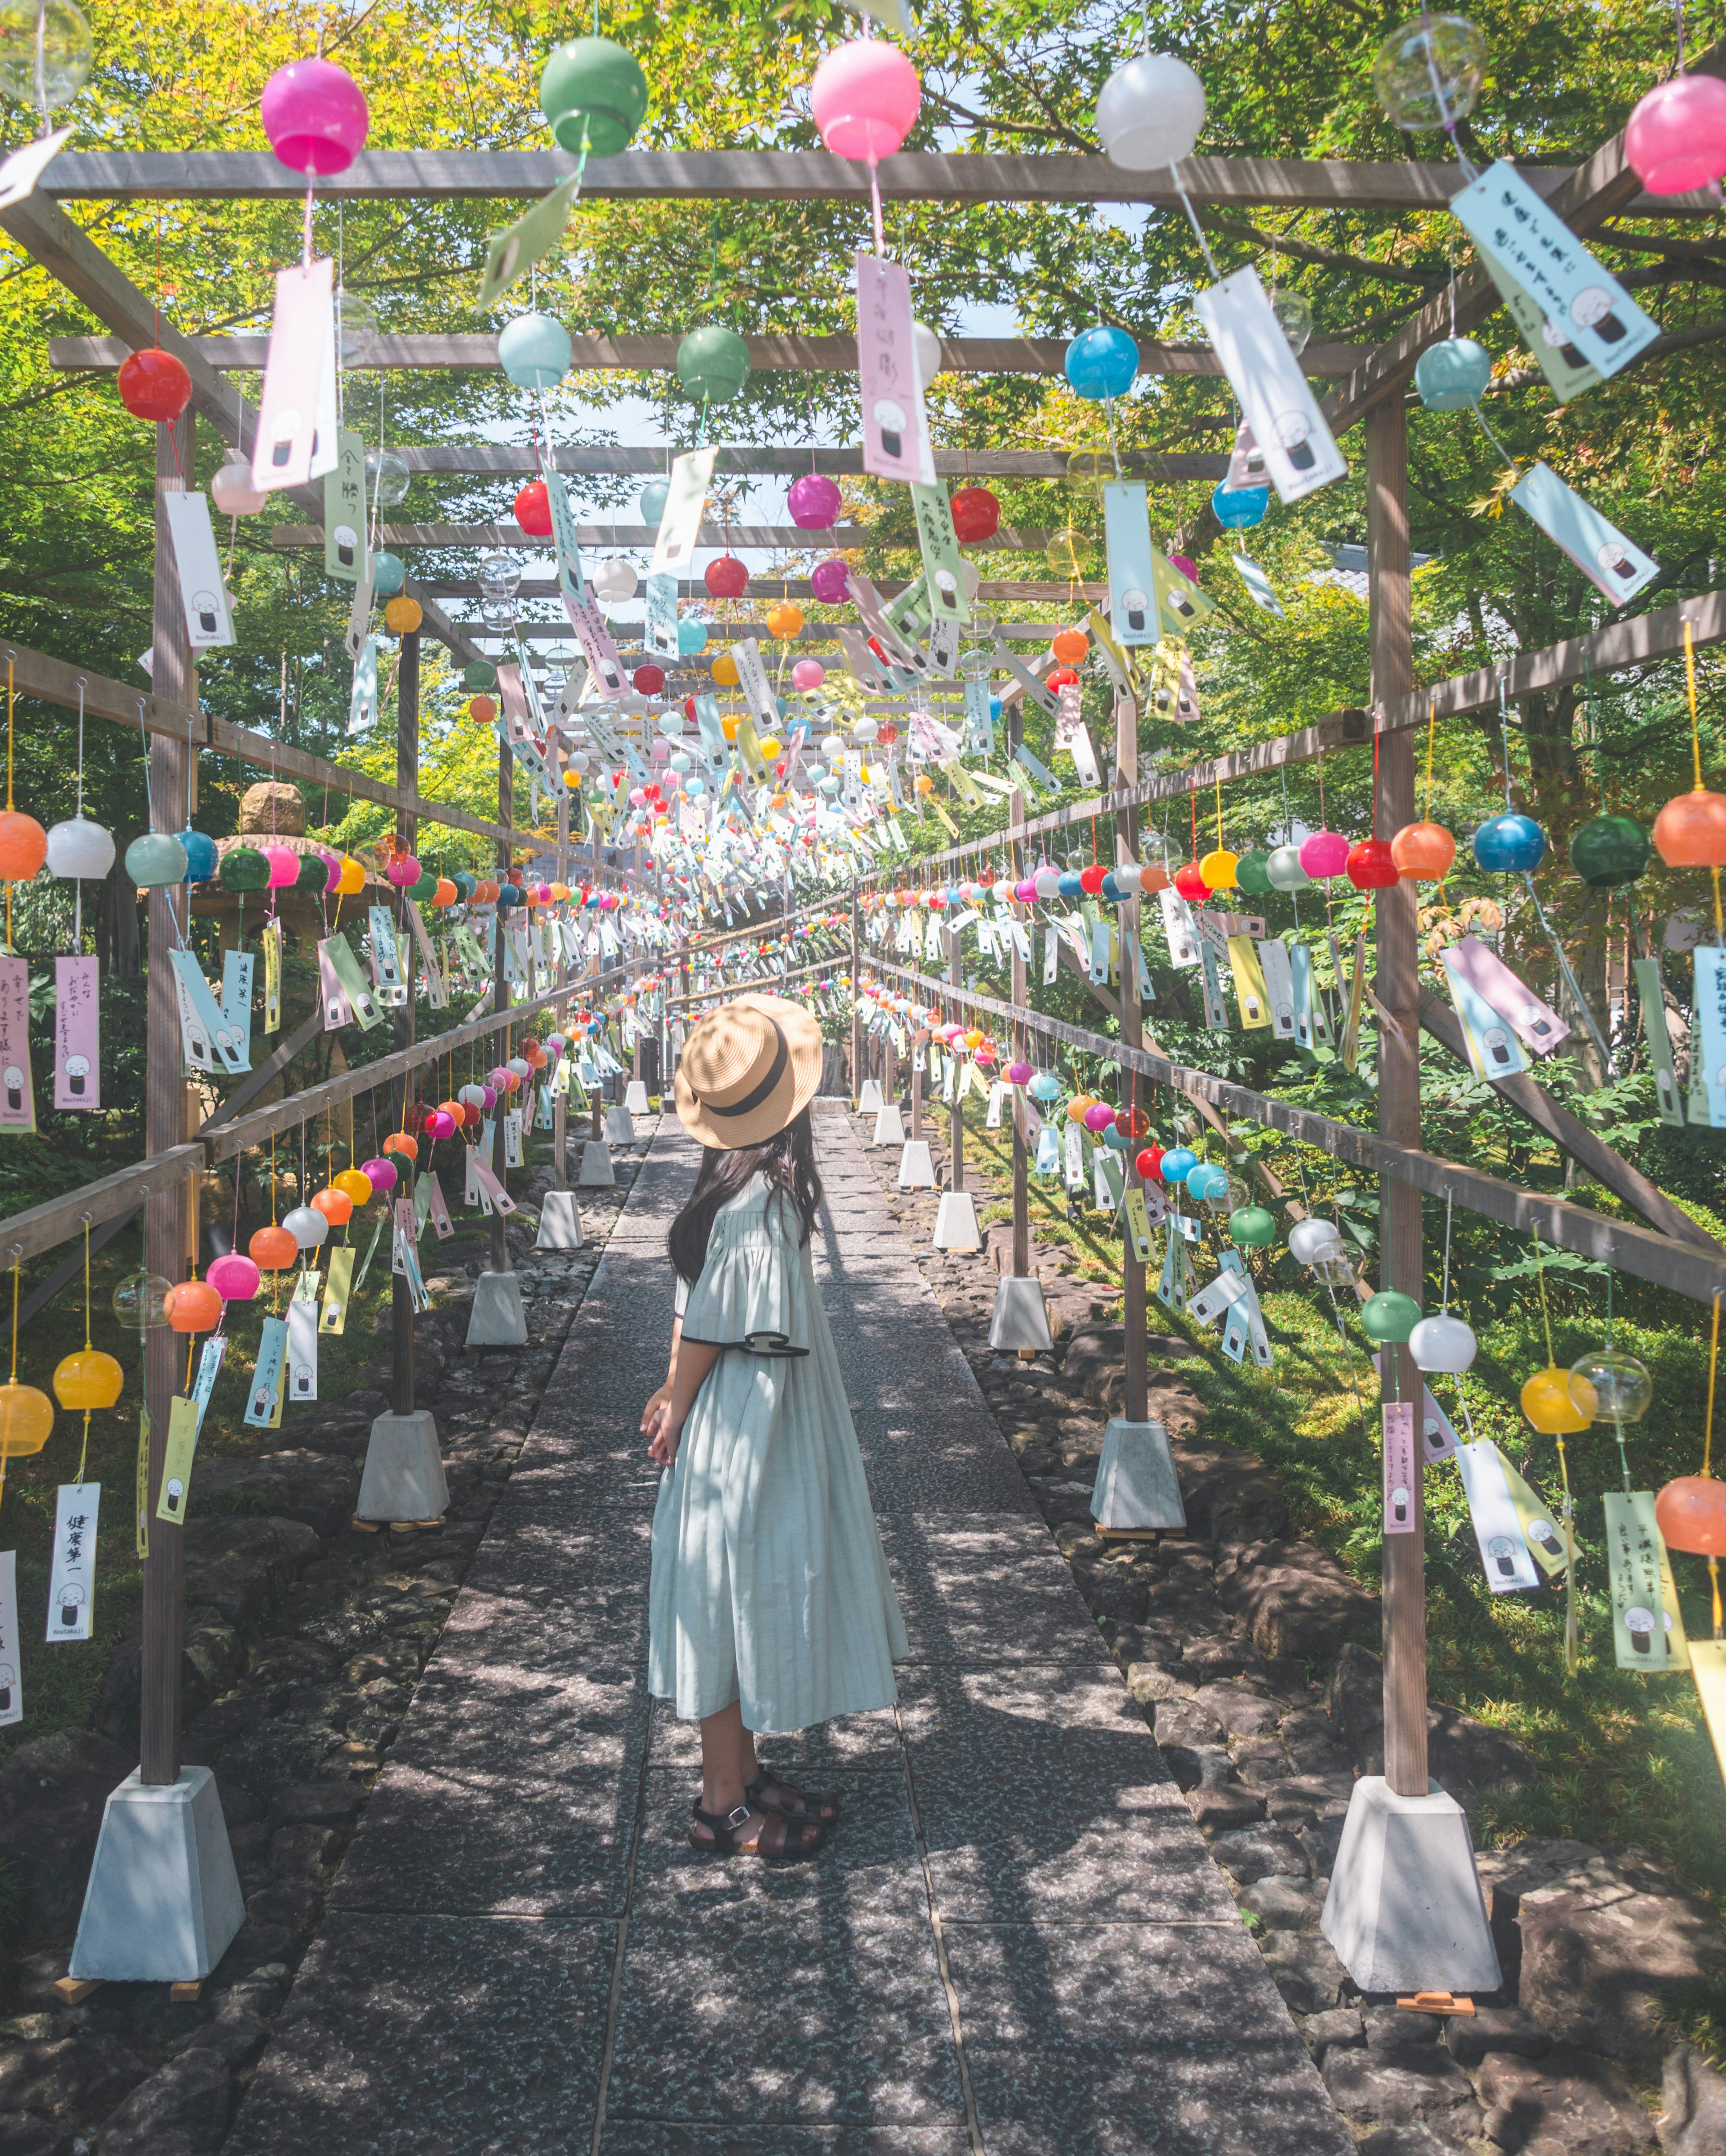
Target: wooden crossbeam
774, 352
482, 459
35, 673
1644, 641
1585, 198
1682, 1266
762, 536
767, 175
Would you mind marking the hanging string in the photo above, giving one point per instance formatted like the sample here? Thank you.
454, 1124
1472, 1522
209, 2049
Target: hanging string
1431, 738
1695, 758
1568, 1514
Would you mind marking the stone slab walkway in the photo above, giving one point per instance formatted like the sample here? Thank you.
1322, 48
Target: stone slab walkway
1017, 1943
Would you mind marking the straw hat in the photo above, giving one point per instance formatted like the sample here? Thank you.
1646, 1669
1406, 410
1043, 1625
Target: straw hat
747, 1070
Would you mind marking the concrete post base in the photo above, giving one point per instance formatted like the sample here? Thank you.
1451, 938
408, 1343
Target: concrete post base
559, 1222
870, 1097
620, 1126
1021, 1317
163, 1900
917, 1171
956, 1223
497, 1319
889, 1126
1136, 1485
404, 1471
596, 1169
1405, 1911
635, 1097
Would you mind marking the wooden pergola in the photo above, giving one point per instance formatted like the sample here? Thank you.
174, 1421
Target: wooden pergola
1370, 387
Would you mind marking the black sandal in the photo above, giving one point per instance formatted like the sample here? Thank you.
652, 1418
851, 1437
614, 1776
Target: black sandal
725, 1826
810, 1804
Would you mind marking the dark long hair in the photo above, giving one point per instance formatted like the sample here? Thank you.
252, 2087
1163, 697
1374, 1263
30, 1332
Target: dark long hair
787, 1160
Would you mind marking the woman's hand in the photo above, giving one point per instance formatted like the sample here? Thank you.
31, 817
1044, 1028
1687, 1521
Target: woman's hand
667, 1436
656, 1407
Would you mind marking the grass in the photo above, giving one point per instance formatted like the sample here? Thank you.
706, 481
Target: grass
1622, 1758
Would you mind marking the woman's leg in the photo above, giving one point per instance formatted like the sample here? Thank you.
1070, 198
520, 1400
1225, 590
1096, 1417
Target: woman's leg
723, 1759
729, 1764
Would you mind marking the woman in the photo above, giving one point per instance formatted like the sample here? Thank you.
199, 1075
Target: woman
770, 1606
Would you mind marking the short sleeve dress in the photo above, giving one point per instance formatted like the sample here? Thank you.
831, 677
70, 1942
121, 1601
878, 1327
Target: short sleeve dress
769, 1586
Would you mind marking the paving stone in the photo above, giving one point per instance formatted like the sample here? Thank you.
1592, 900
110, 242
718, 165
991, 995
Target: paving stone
858, 2036
1066, 2027
406, 2033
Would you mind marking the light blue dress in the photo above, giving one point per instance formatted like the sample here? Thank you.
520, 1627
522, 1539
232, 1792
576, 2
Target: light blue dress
770, 1585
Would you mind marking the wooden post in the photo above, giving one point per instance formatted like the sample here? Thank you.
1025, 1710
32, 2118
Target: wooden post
175, 678
500, 988
956, 1181
560, 1099
857, 1018
1399, 1074
1019, 991
401, 1301
1133, 1271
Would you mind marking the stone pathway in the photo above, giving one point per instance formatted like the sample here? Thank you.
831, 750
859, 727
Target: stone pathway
1017, 1943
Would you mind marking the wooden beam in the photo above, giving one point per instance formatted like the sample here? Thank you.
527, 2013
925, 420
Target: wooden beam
34, 674
776, 352
765, 536
1586, 1147
1647, 640
480, 459
1583, 198
770, 175
1658, 1259
113, 1197
627, 634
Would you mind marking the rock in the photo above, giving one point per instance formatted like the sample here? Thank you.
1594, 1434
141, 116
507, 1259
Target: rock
1304, 1970
1306, 1797
1392, 2028
317, 1803
1284, 1904
233, 2036
269, 1752
1150, 1682
1467, 1757
1185, 1723
1598, 1969
1114, 1592
1241, 1711
189, 2096
1570, 2100
1336, 2025
241, 1566
311, 1850
311, 1486
1259, 1853
1296, 1598
53, 1790
1693, 2122
1230, 1497
23, 2134
1471, 2036
70, 2076
1221, 1806
1219, 1658
271, 807
1411, 2139
1421, 2083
